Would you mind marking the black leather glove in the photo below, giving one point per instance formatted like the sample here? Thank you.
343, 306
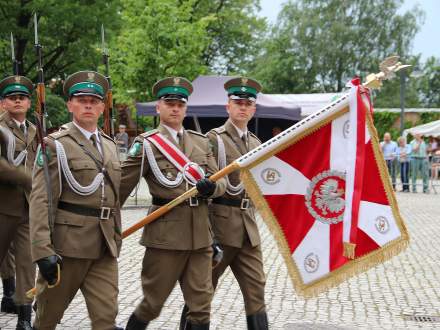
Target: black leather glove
205, 187
48, 267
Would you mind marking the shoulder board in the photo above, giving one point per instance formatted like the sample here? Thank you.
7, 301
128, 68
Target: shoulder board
196, 133
219, 130
147, 134
107, 137
254, 136
62, 132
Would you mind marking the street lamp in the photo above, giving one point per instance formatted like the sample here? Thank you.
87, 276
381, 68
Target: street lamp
403, 78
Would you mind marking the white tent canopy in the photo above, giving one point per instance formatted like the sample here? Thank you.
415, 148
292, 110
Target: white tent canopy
429, 129
309, 103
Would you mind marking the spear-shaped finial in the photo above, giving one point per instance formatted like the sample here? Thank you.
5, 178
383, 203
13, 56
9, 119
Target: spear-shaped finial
35, 29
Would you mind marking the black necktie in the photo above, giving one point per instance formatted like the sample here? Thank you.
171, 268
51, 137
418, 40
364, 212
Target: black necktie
94, 142
180, 140
23, 128
245, 141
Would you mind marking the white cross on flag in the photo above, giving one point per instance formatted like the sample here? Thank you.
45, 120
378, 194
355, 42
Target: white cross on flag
323, 188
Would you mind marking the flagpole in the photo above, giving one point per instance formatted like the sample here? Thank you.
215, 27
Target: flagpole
179, 200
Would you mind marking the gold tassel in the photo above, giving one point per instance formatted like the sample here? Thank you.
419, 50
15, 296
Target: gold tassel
349, 250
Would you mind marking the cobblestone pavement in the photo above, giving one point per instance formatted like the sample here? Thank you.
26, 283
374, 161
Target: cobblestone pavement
377, 299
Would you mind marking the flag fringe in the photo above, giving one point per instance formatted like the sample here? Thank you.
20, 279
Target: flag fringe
349, 249
352, 267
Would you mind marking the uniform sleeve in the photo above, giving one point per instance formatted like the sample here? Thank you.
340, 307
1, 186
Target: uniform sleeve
131, 169
213, 168
9, 174
41, 244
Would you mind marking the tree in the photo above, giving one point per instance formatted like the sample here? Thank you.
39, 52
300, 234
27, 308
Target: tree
318, 45
68, 30
158, 39
234, 30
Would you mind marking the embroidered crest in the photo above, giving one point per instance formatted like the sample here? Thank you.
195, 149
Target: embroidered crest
325, 198
176, 81
17, 79
90, 76
244, 81
311, 263
134, 150
382, 225
271, 176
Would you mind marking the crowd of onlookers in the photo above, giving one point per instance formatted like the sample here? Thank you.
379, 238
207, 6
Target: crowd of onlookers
416, 159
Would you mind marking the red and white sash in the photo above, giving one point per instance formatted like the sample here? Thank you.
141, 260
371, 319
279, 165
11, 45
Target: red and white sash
190, 170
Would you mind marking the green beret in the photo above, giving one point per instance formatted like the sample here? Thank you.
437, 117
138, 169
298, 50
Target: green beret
173, 88
16, 85
86, 83
242, 88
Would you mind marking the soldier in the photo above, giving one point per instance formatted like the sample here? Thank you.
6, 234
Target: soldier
178, 244
85, 237
231, 215
18, 147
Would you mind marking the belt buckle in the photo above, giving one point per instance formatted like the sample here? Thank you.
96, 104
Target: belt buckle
105, 213
244, 204
193, 201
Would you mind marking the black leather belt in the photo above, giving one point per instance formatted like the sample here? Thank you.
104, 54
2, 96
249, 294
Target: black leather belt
102, 213
193, 201
243, 203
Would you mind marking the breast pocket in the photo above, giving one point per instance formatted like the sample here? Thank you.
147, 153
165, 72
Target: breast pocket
84, 171
168, 170
201, 160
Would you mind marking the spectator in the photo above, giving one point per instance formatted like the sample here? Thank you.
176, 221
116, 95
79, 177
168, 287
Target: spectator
389, 150
419, 162
403, 152
121, 139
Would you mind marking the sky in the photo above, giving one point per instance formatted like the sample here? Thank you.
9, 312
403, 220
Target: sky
426, 42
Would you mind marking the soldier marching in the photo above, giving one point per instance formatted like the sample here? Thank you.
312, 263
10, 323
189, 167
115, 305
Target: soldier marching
67, 188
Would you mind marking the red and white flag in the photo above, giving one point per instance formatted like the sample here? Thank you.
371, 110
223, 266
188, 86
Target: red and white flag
323, 188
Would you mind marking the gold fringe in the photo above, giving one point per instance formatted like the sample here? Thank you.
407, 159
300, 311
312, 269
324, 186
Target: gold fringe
352, 267
349, 250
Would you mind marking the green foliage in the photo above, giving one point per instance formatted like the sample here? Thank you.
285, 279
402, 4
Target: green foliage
318, 45
234, 31
57, 113
158, 39
68, 30
383, 121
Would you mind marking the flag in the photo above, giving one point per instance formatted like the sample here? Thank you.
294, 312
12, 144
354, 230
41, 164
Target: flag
323, 189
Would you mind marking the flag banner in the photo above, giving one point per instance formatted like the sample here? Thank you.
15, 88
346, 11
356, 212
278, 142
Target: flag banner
323, 189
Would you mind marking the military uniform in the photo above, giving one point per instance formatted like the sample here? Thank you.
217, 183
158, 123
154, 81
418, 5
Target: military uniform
87, 229
178, 244
232, 215
18, 147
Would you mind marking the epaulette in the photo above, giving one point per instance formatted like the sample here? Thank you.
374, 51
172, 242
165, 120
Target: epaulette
62, 132
253, 135
220, 129
196, 133
107, 137
147, 134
